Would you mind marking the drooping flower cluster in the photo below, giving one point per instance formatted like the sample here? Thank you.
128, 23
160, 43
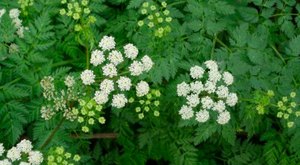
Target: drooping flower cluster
156, 17
147, 103
78, 10
57, 101
58, 156
14, 15
287, 107
22, 154
89, 114
207, 92
115, 83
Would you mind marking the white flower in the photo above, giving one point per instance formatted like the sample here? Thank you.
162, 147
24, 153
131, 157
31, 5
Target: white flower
136, 68
14, 13
223, 117
47, 113
97, 57
222, 91
24, 163
17, 22
183, 89
20, 32
193, 100
69, 81
142, 88
210, 87
107, 86
2, 12
87, 77
14, 154
115, 57
196, 72
211, 65
227, 78
196, 87
219, 106
24, 146
124, 83
101, 97
232, 99
109, 70
186, 112
2, 149
131, 51
214, 76
207, 102
119, 101
35, 157
107, 43
202, 116
5, 162
147, 63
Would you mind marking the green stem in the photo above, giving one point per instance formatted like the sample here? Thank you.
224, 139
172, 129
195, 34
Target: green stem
50, 137
285, 14
176, 3
213, 47
87, 58
63, 63
278, 54
224, 45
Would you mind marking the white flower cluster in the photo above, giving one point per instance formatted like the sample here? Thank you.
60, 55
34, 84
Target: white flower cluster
14, 15
114, 80
20, 151
208, 92
2, 12
58, 100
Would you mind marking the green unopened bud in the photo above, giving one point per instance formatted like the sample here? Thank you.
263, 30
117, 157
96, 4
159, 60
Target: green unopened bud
150, 17
270, 93
138, 109
147, 109
50, 158
289, 110
59, 159
168, 19
141, 116
293, 104
144, 11
166, 12
145, 4
89, 105
85, 129
157, 14
59, 150
164, 4
152, 7
160, 20
279, 114
76, 16
77, 28
84, 2
148, 102
68, 155
286, 116
70, 6
280, 104
83, 111
86, 10
150, 24
293, 94
76, 158
63, 1
62, 12
142, 102
140, 23
92, 19
260, 109
80, 119
156, 113
91, 113
81, 102
290, 124
284, 99
98, 108
131, 100
91, 121
156, 103
101, 120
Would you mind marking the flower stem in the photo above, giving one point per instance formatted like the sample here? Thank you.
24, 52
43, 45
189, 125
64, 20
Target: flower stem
50, 137
96, 136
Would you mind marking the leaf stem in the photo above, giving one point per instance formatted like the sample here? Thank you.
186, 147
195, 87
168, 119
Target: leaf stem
96, 136
213, 47
176, 3
224, 45
50, 137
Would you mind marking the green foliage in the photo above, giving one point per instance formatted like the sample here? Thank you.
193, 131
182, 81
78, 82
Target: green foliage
256, 40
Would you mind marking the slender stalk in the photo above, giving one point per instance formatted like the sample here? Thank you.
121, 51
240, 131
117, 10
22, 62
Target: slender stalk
87, 58
96, 136
50, 137
224, 45
176, 3
278, 54
213, 47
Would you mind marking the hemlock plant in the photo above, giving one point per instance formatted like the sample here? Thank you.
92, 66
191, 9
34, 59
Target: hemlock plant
149, 82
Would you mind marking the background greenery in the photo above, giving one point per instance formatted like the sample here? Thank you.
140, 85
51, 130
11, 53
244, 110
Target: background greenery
258, 41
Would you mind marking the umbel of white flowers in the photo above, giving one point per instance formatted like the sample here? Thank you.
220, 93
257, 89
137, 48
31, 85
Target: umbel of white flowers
22, 153
207, 92
115, 82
